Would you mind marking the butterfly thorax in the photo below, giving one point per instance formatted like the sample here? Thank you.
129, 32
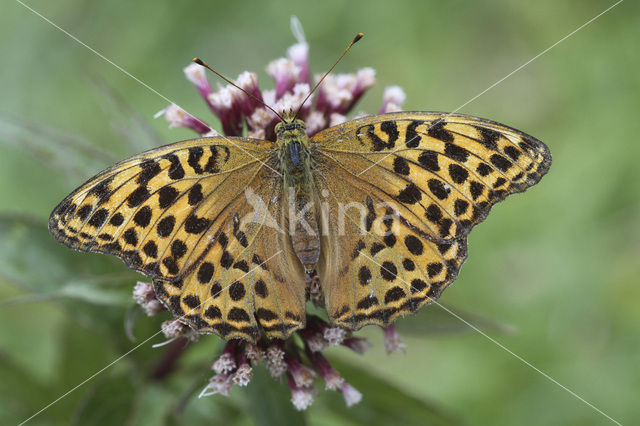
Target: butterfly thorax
295, 166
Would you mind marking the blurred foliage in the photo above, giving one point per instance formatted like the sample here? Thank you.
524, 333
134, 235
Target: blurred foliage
559, 265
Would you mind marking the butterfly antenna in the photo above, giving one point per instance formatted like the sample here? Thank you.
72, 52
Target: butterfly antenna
354, 41
204, 64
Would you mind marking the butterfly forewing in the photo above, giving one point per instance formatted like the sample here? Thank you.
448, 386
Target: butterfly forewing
175, 214
426, 179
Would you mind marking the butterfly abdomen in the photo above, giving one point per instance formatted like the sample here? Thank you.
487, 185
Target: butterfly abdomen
303, 225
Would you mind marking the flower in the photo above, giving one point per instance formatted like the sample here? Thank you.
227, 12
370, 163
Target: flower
350, 394
145, 296
299, 359
301, 397
392, 99
177, 117
392, 342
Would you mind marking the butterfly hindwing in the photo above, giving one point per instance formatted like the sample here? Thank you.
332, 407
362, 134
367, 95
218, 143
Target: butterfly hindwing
427, 179
376, 264
173, 213
246, 274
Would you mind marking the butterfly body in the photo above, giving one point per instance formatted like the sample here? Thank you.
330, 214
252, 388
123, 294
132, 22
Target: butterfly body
379, 206
296, 168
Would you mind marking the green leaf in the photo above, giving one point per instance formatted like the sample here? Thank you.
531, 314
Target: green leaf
443, 319
108, 402
61, 151
24, 390
31, 259
134, 129
382, 402
269, 401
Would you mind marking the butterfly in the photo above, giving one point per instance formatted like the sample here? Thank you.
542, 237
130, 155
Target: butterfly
229, 228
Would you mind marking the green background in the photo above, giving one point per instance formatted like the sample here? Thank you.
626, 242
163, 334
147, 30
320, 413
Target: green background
553, 275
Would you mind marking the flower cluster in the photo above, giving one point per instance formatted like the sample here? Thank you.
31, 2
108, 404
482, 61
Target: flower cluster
241, 114
299, 359
301, 364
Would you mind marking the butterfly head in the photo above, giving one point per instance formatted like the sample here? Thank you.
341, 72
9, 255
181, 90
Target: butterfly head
290, 128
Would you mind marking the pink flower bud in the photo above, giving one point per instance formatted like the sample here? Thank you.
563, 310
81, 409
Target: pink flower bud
275, 359
243, 374
224, 364
392, 342
357, 344
197, 75
301, 397
334, 335
332, 378
285, 73
350, 394
392, 99
302, 375
173, 329
218, 384
145, 296
177, 117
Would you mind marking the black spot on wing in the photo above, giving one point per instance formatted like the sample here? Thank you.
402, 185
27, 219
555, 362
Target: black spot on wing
489, 137
130, 236
191, 301
436, 130
483, 169
500, 162
458, 173
212, 162
84, 211
239, 315
400, 166
456, 152
364, 276
176, 171
367, 302
236, 291
195, 154
391, 129
512, 152
165, 226
414, 245
205, 272
412, 138
410, 194
143, 216
138, 196
388, 271
166, 196
150, 249
395, 293
195, 194
178, 249
150, 169
438, 188
260, 289
196, 225
98, 218
429, 160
